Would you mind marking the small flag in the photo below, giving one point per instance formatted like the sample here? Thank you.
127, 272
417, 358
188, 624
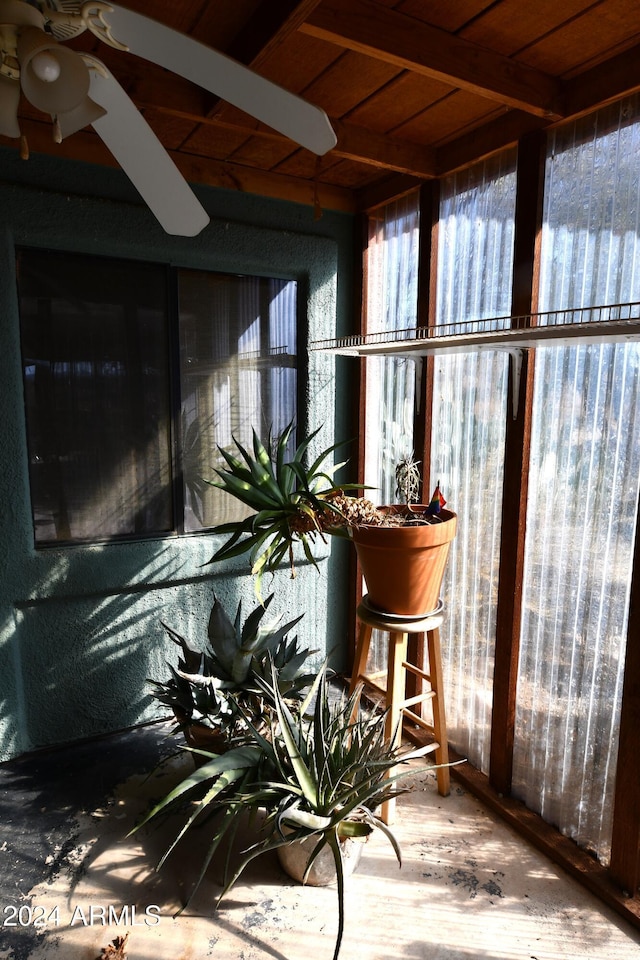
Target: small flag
437, 501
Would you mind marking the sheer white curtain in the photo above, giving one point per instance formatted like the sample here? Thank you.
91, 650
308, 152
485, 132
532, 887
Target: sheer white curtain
392, 303
238, 371
475, 254
583, 487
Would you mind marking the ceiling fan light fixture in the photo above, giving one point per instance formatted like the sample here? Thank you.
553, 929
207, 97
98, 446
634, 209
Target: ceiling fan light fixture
54, 79
78, 118
58, 80
46, 66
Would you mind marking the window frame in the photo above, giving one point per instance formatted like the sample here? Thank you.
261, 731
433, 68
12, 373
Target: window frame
176, 500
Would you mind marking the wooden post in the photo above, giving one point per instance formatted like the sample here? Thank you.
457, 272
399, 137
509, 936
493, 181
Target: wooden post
528, 218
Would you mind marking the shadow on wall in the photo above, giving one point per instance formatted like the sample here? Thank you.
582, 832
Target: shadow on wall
78, 649
77, 663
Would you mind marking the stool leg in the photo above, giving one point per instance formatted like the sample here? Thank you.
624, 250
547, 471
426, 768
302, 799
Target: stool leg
361, 657
439, 719
395, 695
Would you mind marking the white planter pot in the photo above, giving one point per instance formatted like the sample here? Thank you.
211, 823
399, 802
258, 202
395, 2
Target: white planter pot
295, 856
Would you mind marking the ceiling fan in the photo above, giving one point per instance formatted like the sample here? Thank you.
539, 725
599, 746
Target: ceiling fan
77, 89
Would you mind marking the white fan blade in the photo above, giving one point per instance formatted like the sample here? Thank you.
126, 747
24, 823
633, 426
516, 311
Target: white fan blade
143, 158
302, 122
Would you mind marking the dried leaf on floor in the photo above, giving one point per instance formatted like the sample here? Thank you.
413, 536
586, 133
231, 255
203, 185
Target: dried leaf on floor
115, 950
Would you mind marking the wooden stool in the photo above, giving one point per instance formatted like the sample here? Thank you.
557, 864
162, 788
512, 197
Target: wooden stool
397, 703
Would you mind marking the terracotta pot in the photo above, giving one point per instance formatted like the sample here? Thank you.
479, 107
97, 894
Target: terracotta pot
294, 858
205, 738
201, 737
215, 740
404, 566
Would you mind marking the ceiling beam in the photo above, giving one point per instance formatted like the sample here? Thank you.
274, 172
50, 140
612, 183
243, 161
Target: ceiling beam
354, 143
502, 132
269, 26
385, 34
267, 29
172, 96
87, 147
604, 83
585, 92
610, 80
385, 191
380, 150
498, 134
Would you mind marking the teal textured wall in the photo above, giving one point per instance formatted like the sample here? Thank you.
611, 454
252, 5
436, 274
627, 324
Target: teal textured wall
80, 627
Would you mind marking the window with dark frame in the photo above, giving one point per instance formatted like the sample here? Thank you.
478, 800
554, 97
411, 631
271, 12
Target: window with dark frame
135, 374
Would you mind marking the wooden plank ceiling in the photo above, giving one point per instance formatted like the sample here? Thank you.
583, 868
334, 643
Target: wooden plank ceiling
414, 88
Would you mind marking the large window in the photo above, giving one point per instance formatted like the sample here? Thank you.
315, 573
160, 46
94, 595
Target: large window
541, 578
134, 374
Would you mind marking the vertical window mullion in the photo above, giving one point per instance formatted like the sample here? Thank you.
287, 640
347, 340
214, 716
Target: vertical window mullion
175, 421
528, 215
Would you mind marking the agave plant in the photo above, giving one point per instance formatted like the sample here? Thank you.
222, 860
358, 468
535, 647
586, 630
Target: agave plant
292, 502
319, 775
220, 684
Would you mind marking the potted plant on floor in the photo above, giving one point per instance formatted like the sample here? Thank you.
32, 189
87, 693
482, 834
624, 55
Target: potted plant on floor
216, 686
293, 502
317, 777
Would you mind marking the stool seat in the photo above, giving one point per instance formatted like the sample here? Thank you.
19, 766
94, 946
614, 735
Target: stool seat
391, 623
398, 704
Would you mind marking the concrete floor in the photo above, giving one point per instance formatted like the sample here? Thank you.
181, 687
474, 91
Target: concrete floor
468, 887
